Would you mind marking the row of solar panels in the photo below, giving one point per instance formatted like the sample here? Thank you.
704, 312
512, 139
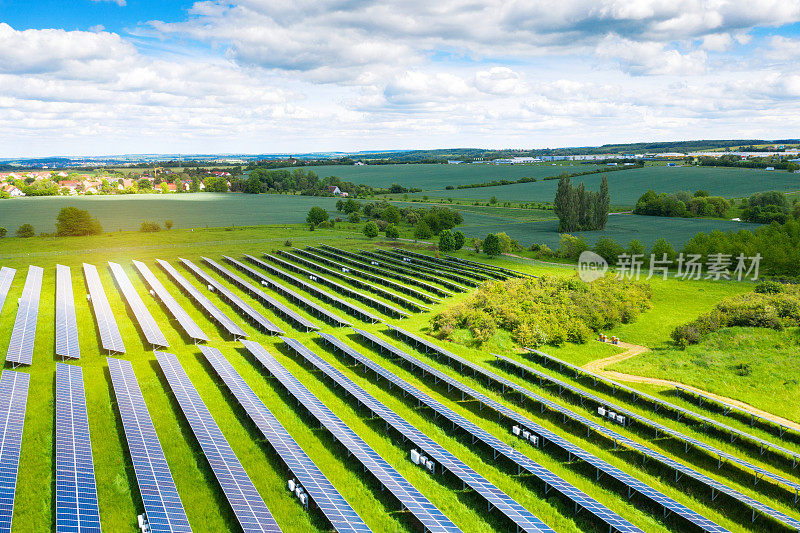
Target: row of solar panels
67, 346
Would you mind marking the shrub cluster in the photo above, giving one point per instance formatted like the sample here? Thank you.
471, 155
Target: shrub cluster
767, 307
546, 310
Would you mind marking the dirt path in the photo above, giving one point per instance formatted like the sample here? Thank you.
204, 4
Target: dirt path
598, 366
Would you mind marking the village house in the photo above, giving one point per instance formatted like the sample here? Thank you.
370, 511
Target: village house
13, 191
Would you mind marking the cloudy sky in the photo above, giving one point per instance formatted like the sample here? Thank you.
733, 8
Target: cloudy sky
94, 77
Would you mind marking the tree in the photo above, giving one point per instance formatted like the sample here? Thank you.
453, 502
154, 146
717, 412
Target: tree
392, 232
316, 216
144, 184
216, 184
25, 230
354, 218
459, 240
493, 200
636, 247
350, 206
391, 215
168, 224
371, 229
339, 205
74, 221
663, 250
422, 231
149, 226
447, 242
164, 187
603, 205
491, 245
3, 232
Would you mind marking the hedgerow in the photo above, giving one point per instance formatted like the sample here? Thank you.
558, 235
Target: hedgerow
763, 308
546, 310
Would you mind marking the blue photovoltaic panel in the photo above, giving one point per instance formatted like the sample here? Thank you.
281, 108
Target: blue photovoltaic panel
576, 496
420, 266
335, 508
178, 313
289, 294
429, 262
20, 348
262, 297
429, 516
243, 308
371, 266
200, 299
364, 271
618, 438
66, 323
370, 283
6, 277
150, 328
660, 428
516, 513
400, 266
250, 510
13, 398
76, 493
110, 337
484, 266
162, 504
354, 310
383, 307
681, 412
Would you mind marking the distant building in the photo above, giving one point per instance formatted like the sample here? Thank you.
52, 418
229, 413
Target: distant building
334, 190
13, 191
770, 168
359, 163
450, 162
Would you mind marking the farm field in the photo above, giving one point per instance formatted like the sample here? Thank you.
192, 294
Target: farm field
621, 228
204, 501
439, 176
627, 186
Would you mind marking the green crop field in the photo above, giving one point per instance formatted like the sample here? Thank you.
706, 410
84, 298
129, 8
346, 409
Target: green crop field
202, 497
627, 186
437, 177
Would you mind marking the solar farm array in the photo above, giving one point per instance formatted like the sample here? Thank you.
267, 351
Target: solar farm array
319, 355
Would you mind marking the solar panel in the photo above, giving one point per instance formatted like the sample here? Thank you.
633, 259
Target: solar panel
354, 310
176, 310
449, 261
345, 291
419, 266
516, 513
681, 413
244, 309
580, 499
374, 284
679, 468
66, 324
110, 337
359, 262
408, 496
76, 492
661, 429
6, 277
13, 399
728, 408
20, 347
404, 268
162, 504
335, 508
430, 262
150, 328
200, 299
261, 296
308, 305
250, 510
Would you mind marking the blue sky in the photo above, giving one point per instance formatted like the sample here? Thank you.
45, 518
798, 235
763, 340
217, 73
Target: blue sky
131, 76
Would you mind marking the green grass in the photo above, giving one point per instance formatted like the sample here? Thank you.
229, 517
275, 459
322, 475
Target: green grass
437, 177
627, 186
204, 502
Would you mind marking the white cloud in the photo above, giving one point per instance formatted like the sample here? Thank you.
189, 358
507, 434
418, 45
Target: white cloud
120, 3
647, 57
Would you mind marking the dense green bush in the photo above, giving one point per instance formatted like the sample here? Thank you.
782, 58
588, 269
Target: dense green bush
773, 310
371, 229
149, 226
73, 221
26, 230
546, 310
392, 232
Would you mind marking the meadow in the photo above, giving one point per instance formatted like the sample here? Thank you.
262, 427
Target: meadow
627, 186
204, 502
